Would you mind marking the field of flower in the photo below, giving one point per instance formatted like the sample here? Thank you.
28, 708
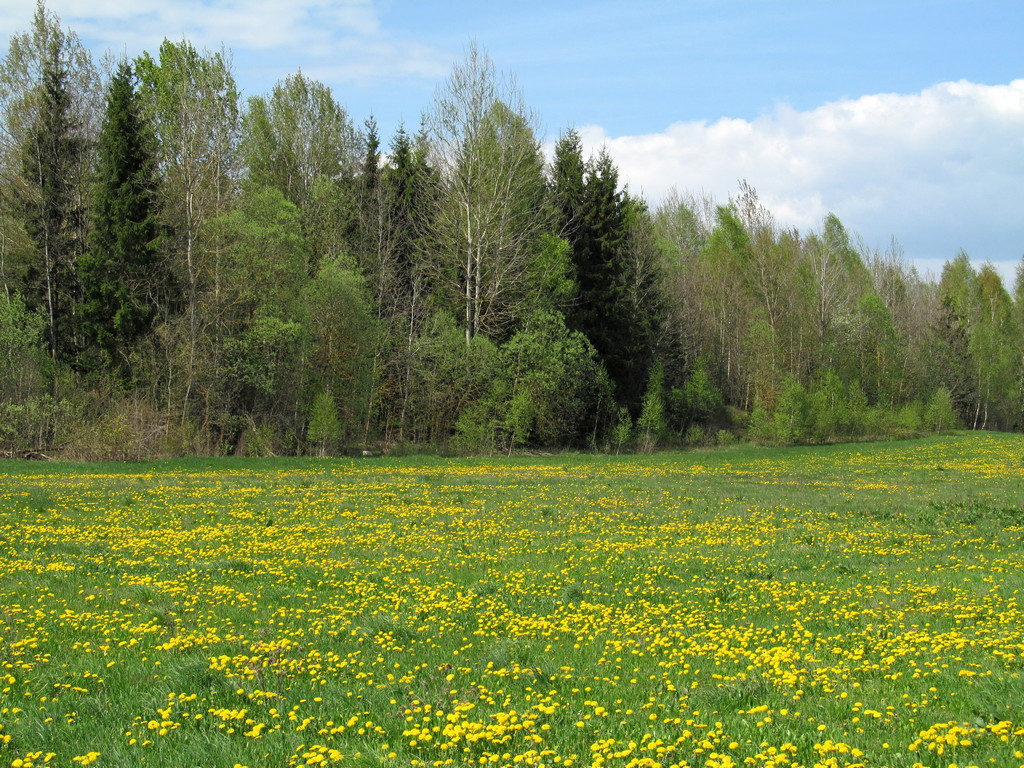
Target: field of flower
836, 606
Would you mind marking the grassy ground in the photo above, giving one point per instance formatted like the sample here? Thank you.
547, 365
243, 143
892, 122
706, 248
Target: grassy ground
832, 606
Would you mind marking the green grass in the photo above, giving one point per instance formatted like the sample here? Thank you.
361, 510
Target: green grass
856, 603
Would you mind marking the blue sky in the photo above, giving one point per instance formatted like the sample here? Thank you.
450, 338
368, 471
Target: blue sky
906, 119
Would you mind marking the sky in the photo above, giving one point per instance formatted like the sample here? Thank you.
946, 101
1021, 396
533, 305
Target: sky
905, 118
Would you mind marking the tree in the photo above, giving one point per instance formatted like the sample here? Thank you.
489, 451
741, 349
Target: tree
124, 279
567, 185
650, 426
257, 331
682, 226
22, 375
489, 172
939, 415
1017, 349
614, 260
991, 344
342, 342
552, 385
878, 342
702, 400
395, 229
45, 54
47, 82
263, 263
191, 101
299, 140
52, 210
324, 425
722, 309
914, 308
833, 265
451, 385
296, 134
792, 413
952, 355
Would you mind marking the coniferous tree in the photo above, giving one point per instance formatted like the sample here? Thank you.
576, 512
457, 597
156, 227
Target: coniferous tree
401, 286
566, 187
370, 174
52, 210
124, 283
599, 248
407, 185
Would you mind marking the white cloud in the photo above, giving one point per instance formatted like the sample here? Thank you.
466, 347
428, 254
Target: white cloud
939, 170
342, 37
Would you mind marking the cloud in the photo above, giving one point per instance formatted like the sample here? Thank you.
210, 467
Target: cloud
940, 170
344, 38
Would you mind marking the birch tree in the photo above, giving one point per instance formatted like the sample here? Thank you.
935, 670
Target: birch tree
191, 101
294, 135
490, 176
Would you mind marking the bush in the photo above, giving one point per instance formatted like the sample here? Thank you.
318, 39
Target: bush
694, 435
792, 413
650, 427
128, 429
760, 427
622, 434
724, 437
939, 415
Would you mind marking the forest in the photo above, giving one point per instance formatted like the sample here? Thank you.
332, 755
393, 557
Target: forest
187, 272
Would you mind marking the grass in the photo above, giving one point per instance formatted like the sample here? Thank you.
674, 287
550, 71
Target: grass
830, 606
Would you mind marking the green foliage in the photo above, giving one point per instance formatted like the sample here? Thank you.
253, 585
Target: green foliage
615, 262
52, 205
724, 437
273, 282
761, 427
295, 135
879, 367
939, 415
453, 387
910, 419
622, 432
829, 408
259, 360
266, 261
651, 423
22, 355
550, 276
701, 399
124, 281
600, 238
567, 184
488, 211
26, 410
694, 435
342, 341
792, 413
324, 424
551, 383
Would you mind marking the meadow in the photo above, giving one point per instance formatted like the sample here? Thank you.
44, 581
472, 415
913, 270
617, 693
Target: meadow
856, 605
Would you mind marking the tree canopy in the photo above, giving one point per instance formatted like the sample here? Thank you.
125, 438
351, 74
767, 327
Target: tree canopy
265, 277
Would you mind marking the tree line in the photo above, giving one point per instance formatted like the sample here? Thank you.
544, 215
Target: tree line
187, 272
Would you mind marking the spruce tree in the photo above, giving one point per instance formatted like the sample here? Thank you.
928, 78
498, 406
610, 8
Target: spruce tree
52, 213
407, 179
599, 255
566, 187
122, 274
